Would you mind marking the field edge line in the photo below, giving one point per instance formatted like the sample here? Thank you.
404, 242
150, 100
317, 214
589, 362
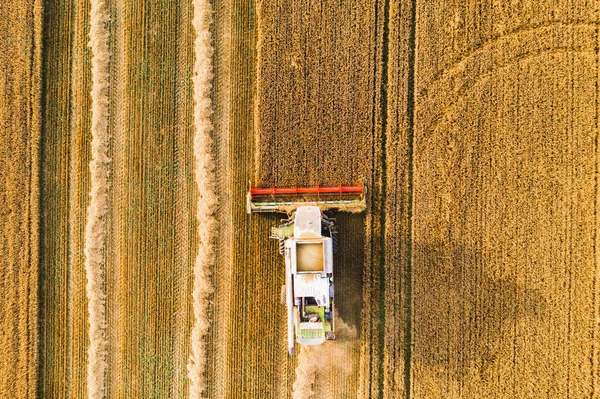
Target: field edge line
383, 96
35, 182
596, 254
408, 338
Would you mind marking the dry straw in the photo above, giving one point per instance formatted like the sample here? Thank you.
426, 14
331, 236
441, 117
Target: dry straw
95, 232
207, 201
330, 358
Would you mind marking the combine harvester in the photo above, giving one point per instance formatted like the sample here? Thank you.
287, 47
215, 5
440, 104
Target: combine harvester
307, 240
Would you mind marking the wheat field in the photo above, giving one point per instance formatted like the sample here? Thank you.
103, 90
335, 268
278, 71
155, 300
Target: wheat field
131, 134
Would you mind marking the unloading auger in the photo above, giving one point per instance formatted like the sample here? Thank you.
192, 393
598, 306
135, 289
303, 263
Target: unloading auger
307, 239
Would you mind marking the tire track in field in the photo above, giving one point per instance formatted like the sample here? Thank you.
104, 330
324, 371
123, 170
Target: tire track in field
79, 201
221, 274
397, 212
382, 110
35, 119
491, 45
596, 279
408, 275
65, 185
185, 201
373, 323
114, 269
95, 235
207, 201
449, 89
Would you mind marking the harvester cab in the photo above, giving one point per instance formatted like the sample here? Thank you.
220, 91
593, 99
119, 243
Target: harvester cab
307, 240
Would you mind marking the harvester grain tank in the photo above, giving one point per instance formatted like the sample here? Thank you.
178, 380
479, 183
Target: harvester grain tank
307, 240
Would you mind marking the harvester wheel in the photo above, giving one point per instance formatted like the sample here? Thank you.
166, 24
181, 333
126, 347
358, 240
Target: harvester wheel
281, 246
334, 242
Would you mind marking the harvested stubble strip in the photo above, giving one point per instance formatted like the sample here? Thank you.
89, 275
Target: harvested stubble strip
148, 275
65, 189
305, 373
185, 198
79, 186
95, 239
207, 202
322, 369
221, 275
248, 373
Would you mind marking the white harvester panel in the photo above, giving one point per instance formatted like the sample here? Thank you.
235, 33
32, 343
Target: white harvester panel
312, 285
307, 222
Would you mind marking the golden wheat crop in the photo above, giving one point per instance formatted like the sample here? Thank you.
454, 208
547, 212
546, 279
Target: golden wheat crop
474, 272
20, 118
505, 192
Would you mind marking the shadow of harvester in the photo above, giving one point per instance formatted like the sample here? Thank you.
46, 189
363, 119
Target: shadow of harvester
467, 306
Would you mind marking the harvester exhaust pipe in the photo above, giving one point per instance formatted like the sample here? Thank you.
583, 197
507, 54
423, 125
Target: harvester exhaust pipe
289, 299
287, 200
